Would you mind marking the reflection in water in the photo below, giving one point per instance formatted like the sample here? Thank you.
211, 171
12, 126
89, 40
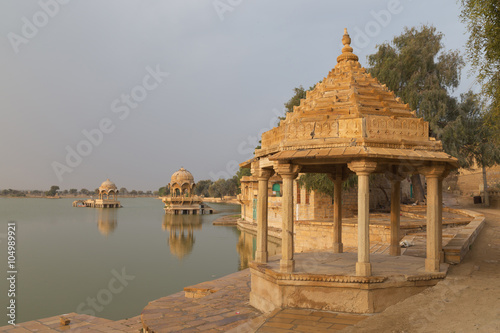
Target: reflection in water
106, 220
181, 232
247, 245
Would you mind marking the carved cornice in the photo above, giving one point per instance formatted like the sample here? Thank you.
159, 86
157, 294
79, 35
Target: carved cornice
425, 277
331, 278
279, 276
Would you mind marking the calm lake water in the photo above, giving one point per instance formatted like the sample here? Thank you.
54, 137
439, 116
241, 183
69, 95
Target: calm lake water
68, 258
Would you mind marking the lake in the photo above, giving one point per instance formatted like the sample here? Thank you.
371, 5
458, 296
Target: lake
112, 262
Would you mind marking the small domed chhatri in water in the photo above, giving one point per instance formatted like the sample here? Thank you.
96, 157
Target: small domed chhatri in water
182, 200
108, 193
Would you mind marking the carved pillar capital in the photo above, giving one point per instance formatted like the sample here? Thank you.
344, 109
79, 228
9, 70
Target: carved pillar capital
287, 170
433, 170
262, 174
362, 166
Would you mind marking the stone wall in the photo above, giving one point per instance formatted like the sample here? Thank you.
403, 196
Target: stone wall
315, 235
470, 182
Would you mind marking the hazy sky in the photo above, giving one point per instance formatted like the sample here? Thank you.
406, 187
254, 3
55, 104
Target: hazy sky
132, 90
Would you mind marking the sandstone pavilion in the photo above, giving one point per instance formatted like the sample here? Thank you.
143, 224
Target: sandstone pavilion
108, 197
182, 200
350, 123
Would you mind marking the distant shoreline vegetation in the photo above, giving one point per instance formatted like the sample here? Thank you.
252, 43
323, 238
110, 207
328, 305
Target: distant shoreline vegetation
10, 193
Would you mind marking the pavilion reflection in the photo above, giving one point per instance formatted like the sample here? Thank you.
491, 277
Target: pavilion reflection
247, 245
106, 220
181, 233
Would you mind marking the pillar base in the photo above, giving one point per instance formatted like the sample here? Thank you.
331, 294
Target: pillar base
432, 265
395, 250
287, 266
363, 269
261, 257
338, 247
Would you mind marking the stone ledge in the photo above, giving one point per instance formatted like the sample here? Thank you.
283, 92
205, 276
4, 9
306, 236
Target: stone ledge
282, 277
425, 277
458, 247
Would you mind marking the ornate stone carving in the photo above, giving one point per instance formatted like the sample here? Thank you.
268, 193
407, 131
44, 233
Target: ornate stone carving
287, 169
362, 166
425, 277
433, 170
262, 174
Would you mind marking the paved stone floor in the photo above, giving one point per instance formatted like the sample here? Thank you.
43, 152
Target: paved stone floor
300, 320
224, 309
79, 323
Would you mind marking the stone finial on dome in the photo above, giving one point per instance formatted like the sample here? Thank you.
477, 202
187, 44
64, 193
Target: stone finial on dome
347, 49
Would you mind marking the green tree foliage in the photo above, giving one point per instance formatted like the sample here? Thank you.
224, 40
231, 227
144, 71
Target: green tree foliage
299, 93
202, 187
53, 191
73, 191
163, 191
483, 50
242, 172
471, 139
217, 189
224, 187
84, 191
12, 193
316, 182
417, 68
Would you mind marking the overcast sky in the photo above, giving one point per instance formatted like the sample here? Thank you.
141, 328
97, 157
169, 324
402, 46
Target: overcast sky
132, 90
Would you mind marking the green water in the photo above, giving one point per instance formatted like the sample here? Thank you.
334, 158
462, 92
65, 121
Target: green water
68, 258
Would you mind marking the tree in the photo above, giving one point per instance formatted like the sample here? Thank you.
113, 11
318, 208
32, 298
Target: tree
483, 51
123, 191
473, 141
202, 187
242, 172
73, 191
163, 191
220, 188
418, 70
133, 192
232, 186
53, 191
85, 191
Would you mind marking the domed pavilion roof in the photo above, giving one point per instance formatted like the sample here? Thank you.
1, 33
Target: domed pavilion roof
182, 176
350, 114
107, 186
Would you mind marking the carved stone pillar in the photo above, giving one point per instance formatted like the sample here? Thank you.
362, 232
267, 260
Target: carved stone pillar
395, 178
288, 173
263, 176
434, 248
338, 177
363, 168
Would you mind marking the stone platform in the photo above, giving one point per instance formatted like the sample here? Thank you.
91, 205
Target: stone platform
327, 281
